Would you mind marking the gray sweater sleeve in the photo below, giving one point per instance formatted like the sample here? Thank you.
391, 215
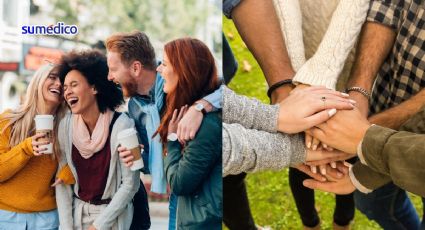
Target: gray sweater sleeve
250, 113
250, 150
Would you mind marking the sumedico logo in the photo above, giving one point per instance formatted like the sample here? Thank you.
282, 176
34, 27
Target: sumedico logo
59, 29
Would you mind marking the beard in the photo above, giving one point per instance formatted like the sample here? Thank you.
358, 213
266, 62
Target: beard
129, 89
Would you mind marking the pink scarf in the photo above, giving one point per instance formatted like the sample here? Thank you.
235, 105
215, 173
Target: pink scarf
86, 145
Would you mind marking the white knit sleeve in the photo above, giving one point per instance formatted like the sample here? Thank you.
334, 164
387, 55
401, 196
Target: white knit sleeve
327, 63
290, 19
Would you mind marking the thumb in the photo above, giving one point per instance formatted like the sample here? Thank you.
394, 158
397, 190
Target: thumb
320, 117
312, 184
57, 181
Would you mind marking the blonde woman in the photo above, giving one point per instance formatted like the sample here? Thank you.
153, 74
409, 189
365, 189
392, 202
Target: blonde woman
27, 201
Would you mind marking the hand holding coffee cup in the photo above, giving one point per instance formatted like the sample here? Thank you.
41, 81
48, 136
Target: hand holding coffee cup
126, 155
130, 151
43, 140
37, 144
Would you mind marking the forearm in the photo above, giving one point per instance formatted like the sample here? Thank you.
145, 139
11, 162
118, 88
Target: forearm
394, 117
213, 101
416, 123
250, 113
366, 179
397, 154
249, 150
259, 28
327, 63
375, 43
15, 159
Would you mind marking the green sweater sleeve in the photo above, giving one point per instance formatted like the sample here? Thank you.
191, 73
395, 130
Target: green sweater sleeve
368, 177
416, 124
187, 168
398, 154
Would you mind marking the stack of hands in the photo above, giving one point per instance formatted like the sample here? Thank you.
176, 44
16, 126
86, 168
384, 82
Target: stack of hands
333, 128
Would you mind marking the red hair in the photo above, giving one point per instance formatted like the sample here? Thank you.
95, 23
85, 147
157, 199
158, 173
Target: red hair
195, 68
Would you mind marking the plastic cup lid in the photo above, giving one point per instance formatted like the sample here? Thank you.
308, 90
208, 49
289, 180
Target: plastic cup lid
126, 133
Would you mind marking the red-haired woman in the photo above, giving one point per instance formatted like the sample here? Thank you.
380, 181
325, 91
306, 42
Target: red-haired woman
193, 170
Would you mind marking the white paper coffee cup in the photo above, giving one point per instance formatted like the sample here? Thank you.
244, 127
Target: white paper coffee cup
44, 124
128, 139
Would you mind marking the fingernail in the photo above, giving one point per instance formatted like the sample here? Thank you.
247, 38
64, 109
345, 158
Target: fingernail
323, 170
333, 165
338, 174
314, 170
324, 145
346, 164
331, 112
345, 94
352, 101
308, 144
314, 147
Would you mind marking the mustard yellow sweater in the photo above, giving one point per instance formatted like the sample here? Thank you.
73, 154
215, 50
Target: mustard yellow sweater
25, 179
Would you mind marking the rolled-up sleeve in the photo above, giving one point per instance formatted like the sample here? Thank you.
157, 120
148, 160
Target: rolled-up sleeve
387, 12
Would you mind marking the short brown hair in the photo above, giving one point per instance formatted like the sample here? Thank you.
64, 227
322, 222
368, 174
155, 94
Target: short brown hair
134, 46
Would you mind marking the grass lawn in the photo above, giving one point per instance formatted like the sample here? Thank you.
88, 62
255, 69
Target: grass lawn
269, 193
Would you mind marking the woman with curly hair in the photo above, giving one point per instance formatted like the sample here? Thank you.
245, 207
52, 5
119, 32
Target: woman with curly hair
102, 196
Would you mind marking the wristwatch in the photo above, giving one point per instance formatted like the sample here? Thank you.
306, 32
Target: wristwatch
200, 108
172, 137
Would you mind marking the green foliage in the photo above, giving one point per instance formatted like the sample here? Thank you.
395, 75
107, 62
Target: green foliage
270, 197
164, 20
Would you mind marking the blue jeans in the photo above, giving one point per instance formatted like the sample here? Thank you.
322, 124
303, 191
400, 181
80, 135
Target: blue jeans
389, 206
173, 212
26, 221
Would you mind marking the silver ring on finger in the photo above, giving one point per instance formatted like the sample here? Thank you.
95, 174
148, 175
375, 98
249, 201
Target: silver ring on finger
324, 102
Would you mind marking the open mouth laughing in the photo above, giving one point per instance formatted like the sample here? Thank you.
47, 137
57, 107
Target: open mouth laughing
72, 101
55, 91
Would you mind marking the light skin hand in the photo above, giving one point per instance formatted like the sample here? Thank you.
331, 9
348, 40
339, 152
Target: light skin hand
306, 169
344, 131
322, 156
91, 228
310, 141
304, 108
57, 181
175, 119
333, 184
191, 121
36, 145
126, 155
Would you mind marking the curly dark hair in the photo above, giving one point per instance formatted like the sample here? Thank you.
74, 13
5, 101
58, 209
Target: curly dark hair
93, 66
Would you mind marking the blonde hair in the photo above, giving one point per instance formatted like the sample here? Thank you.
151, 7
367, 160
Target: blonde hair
21, 120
